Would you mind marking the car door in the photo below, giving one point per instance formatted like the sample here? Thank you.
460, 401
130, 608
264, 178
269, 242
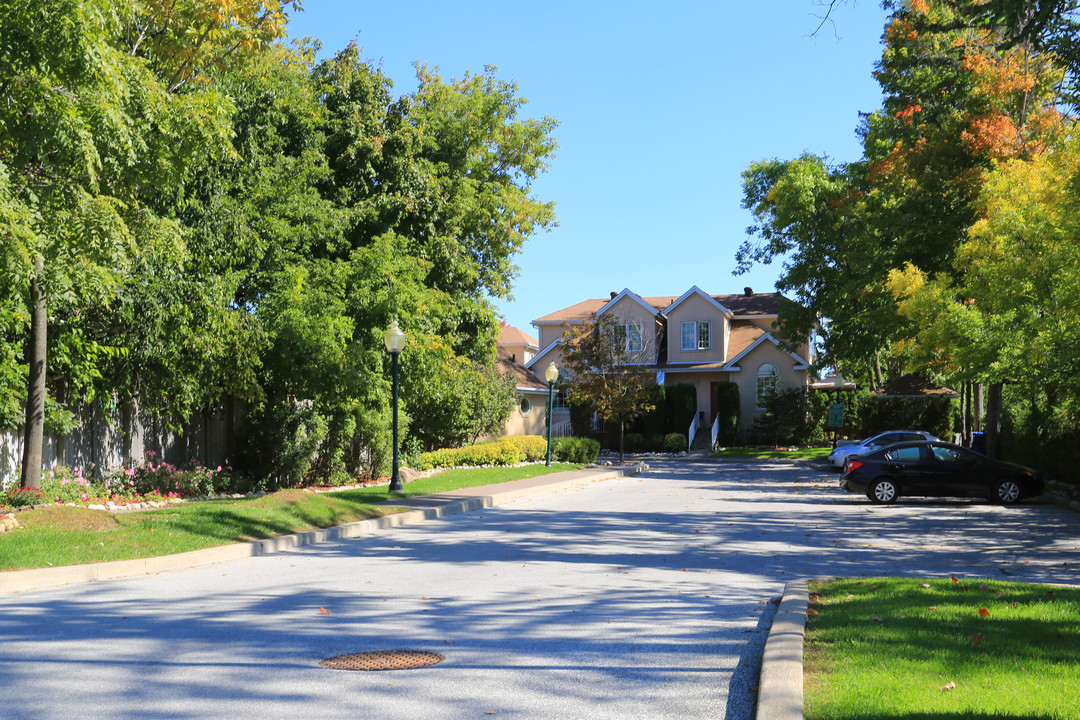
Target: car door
954, 472
907, 465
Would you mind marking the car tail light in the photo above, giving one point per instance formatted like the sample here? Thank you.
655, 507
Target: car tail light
854, 465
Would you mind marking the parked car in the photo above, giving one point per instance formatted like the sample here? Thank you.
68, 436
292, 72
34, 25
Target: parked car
937, 469
844, 451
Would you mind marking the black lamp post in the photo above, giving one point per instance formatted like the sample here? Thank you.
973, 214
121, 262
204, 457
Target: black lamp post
394, 339
551, 375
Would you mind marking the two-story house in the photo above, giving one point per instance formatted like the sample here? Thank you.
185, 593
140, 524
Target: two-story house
694, 338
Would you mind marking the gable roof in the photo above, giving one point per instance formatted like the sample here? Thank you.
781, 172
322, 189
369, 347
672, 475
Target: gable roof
701, 293
755, 305
627, 292
913, 385
510, 335
732, 364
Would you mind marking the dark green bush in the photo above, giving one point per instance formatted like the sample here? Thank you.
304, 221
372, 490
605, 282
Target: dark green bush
675, 442
632, 442
932, 414
727, 409
580, 450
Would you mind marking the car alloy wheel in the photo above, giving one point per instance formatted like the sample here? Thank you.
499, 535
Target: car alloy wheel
883, 491
1007, 492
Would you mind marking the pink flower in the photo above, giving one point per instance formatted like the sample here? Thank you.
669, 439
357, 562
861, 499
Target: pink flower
83, 496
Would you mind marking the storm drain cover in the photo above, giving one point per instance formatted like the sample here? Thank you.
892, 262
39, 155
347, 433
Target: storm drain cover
383, 660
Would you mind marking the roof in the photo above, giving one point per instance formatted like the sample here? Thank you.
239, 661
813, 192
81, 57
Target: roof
510, 335
741, 305
913, 385
523, 378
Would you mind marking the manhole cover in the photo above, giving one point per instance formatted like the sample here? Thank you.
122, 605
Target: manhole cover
383, 660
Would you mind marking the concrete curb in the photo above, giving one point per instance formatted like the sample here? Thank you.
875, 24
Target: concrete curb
423, 508
780, 688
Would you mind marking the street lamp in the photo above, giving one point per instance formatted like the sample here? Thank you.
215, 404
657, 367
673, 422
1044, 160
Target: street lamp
394, 339
551, 375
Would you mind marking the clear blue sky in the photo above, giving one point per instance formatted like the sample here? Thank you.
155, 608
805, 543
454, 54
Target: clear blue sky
661, 107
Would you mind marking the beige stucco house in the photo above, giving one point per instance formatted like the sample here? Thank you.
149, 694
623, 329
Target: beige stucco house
516, 350
694, 338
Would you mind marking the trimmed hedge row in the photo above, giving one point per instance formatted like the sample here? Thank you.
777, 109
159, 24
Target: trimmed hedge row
511, 451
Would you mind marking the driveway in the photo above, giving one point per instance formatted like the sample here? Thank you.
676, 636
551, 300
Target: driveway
643, 597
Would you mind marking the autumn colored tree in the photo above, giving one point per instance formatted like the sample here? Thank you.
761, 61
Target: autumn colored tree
956, 102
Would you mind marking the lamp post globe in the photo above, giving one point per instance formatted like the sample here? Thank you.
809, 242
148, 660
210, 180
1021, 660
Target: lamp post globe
551, 375
394, 339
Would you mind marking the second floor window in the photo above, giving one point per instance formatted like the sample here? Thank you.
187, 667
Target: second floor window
630, 334
697, 335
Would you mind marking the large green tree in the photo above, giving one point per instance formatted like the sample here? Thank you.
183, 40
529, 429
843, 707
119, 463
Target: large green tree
103, 105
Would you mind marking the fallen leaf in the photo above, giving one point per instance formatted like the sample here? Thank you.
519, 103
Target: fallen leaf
875, 617
983, 612
948, 686
812, 611
850, 597
1050, 593
932, 607
924, 585
323, 611
953, 578
977, 639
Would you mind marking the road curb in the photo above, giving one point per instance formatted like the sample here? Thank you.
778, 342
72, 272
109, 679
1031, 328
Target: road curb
445, 504
780, 688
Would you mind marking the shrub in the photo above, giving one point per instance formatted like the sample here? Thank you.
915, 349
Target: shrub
504, 451
581, 450
633, 442
675, 442
727, 409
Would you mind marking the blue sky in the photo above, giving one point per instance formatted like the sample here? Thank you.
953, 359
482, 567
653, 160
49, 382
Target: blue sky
661, 107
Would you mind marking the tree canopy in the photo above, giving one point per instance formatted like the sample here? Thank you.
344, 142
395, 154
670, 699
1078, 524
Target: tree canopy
190, 210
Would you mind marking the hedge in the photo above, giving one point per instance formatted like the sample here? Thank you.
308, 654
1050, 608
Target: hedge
504, 451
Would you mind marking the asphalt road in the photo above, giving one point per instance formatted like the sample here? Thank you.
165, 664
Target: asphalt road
643, 597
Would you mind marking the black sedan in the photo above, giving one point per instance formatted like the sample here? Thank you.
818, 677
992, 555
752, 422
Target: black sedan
937, 469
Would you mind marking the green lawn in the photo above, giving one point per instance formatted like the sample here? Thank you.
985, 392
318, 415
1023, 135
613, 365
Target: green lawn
942, 650
810, 453
55, 536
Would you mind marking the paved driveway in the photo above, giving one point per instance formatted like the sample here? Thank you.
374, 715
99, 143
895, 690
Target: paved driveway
644, 597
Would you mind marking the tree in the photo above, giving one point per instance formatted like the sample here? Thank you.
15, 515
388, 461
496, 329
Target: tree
91, 128
956, 102
608, 370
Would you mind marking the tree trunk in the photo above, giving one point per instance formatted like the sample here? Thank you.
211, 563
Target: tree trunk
34, 427
992, 427
965, 414
622, 454
978, 406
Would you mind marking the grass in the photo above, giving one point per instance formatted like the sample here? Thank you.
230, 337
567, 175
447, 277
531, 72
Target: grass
810, 453
60, 535
942, 650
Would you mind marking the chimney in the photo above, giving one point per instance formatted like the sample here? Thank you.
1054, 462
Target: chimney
748, 291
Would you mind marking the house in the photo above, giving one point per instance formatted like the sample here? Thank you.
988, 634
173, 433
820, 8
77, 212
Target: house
515, 350
694, 338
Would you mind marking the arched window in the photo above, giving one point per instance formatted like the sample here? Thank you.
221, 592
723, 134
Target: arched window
768, 382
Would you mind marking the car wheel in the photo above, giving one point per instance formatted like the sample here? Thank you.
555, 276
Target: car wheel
883, 491
1007, 492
